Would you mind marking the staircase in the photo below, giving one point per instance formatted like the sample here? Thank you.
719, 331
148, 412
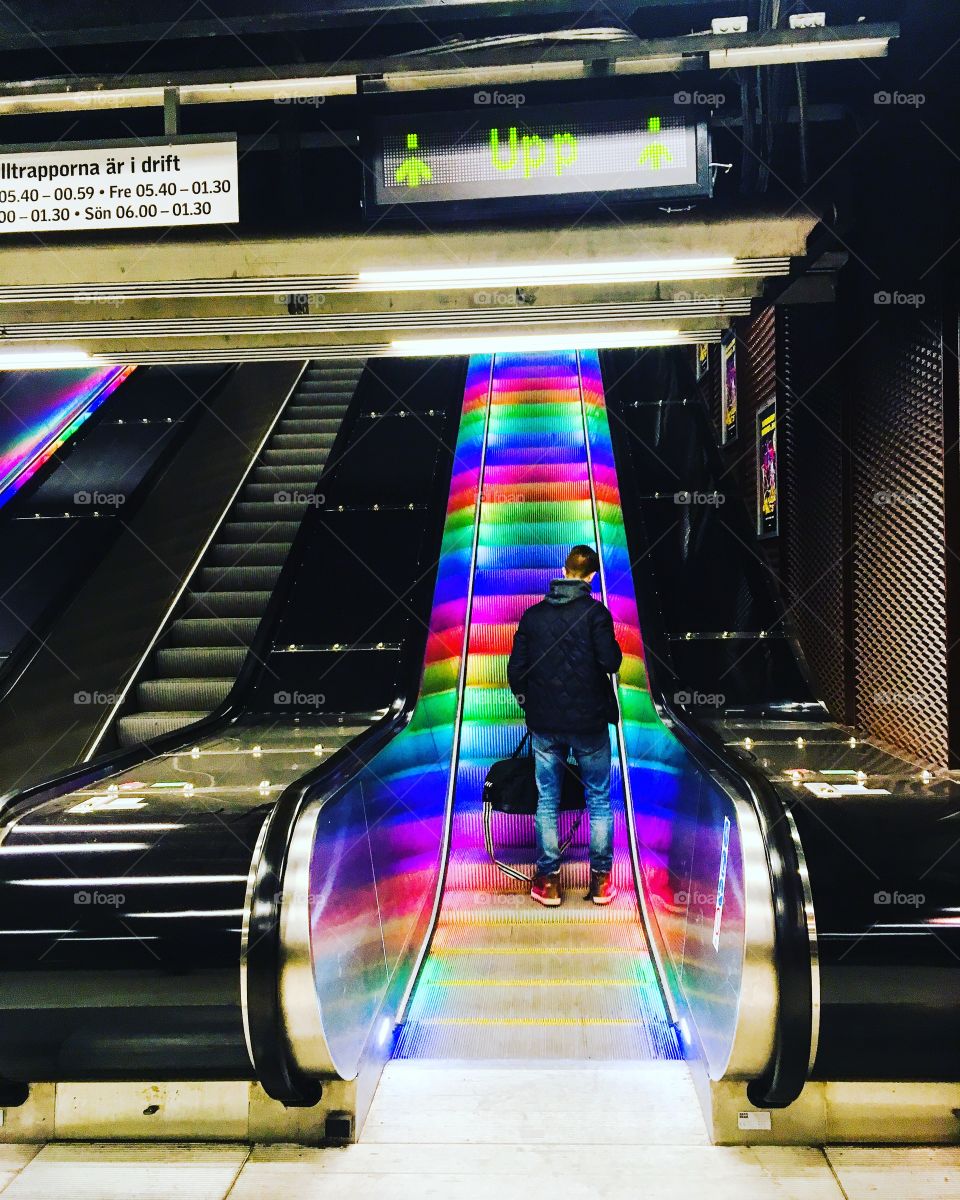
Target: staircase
198, 657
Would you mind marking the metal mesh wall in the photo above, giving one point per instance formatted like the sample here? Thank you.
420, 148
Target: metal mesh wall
756, 383
812, 497
899, 593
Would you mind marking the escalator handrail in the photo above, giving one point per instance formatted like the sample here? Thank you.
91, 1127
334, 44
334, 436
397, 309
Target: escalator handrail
274, 1066
782, 1081
115, 760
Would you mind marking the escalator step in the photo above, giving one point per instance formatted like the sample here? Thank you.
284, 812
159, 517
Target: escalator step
248, 554
285, 474
200, 662
212, 631
144, 726
304, 441
245, 577
257, 531
264, 492
182, 693
288, 457
286, 503
227, 604
305, 426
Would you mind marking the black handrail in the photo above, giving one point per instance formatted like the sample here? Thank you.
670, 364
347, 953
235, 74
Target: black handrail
274, 1067
782, 1081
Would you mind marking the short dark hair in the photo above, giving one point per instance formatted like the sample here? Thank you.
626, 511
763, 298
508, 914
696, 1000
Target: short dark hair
581, 562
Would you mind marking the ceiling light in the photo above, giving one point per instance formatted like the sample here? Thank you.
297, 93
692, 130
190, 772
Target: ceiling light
798, 52
499, 344
42, 359
628, 271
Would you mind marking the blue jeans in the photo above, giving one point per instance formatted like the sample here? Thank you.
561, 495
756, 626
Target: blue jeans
592, 754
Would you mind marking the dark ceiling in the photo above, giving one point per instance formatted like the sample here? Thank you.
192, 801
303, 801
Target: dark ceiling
119, 36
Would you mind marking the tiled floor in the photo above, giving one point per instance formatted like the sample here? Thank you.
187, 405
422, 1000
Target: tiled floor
444, 1131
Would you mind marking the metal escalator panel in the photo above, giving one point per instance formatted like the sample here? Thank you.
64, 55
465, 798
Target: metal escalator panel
505, 978
199, 656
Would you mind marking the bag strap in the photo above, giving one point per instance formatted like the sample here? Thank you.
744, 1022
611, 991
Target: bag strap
523, 742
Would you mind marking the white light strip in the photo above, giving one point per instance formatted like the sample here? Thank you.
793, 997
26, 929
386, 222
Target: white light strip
822, 51
42, 359
190, 93
499, 344
629, 271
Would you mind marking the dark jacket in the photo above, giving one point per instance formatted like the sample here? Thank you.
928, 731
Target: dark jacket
563, 653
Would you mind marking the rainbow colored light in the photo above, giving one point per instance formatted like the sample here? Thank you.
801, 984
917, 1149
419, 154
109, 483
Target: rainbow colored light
54, 407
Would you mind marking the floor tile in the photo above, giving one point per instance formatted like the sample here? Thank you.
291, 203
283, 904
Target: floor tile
473, 1172
138, 1171
897, 1172
12, 1161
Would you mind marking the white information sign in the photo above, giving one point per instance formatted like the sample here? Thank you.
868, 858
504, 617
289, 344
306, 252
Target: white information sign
119, 185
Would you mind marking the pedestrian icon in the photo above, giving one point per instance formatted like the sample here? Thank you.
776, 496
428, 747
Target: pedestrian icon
655, 154
413, 170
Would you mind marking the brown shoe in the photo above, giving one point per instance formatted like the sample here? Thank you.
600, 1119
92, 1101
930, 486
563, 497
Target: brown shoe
545, 889
602, 888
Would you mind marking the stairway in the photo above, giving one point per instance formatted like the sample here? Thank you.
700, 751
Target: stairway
198, 657
505, 978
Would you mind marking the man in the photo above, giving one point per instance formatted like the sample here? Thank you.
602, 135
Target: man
564, 652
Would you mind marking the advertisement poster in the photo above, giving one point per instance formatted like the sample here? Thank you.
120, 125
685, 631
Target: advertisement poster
728, 387
768, 484
703, 359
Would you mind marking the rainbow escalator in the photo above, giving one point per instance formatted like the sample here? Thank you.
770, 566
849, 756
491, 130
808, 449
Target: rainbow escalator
506, 978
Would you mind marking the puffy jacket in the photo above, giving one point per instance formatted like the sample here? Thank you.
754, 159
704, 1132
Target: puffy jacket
564, 652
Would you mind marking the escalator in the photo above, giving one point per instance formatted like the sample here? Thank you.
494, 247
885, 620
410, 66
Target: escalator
312, 887
507, 978
197, 659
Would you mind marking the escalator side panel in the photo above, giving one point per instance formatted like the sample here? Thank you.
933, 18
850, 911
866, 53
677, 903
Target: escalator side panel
373, 851
701, 862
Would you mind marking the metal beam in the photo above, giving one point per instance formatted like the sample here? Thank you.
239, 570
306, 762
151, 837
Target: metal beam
130, 302
559, 60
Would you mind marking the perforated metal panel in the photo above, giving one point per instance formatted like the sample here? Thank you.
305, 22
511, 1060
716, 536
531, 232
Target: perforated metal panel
898, 529
811, 496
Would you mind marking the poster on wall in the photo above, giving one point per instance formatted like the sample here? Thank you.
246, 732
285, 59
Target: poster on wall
728, 387
768, 483
703, 359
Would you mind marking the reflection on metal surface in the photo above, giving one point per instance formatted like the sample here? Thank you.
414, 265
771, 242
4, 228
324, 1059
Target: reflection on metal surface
365, 861
812, 934
679, 812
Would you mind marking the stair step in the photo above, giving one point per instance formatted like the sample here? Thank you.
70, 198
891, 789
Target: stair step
145, 726
247, 554
257, 531
306, 426
264, 492
290, 504
227, 604
316, 454
245, 577
200, 662
275, 472
282, 440
182, 694
212, 631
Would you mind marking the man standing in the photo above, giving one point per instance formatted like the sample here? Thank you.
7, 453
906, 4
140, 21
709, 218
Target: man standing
564, 653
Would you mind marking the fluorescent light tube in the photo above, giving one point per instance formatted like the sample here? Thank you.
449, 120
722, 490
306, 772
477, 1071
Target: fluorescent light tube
629, 271
42, 359
521, 343
798, 52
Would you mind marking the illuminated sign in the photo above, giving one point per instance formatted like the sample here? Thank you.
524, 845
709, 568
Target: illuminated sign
492, 159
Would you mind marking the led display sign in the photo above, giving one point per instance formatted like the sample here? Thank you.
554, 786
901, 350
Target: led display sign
496, 159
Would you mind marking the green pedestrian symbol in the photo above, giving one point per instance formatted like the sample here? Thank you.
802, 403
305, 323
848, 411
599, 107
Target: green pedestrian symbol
655, 154
413, 170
